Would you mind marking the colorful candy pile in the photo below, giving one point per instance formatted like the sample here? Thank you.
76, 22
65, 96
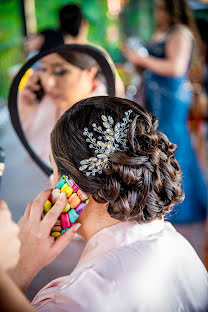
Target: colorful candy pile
76, 202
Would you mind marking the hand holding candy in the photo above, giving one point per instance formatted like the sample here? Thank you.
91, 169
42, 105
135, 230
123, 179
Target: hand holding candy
38, 247
48, 217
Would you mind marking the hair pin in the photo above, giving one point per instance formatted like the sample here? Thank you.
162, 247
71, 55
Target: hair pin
111, 138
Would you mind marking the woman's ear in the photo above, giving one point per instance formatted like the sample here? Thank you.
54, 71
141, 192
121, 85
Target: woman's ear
92, 72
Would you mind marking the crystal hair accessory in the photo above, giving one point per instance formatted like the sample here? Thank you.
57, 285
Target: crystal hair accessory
111, 138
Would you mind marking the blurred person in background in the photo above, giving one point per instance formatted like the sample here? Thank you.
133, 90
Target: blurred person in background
61, 80
38, 43
42, 41
74, 29
173, 46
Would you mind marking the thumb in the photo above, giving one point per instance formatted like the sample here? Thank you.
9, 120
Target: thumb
62, 241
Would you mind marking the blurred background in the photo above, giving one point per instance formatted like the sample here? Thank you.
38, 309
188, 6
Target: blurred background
110, 23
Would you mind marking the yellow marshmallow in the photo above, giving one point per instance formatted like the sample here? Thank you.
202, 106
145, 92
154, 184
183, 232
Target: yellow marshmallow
67, 189
56, 234
66, 208
47, 206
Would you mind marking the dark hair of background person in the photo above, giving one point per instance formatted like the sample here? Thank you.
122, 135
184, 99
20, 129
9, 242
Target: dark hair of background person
140, 184
70, 18
180, 13
52, 39
81, 60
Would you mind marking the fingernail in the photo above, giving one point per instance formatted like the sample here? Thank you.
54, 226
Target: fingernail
76, 227
62, 196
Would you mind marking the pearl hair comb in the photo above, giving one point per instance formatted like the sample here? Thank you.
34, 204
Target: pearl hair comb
112, 138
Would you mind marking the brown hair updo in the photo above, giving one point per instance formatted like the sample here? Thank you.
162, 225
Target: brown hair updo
141, 183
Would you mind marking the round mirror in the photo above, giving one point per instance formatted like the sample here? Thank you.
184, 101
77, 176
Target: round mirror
50, 83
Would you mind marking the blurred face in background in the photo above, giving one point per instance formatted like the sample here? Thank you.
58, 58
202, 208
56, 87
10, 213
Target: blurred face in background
64, 83
162, 17
33, 43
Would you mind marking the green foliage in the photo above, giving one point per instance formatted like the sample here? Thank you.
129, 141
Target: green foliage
103, 30
10, 21
93, 10
10, 42
137, 19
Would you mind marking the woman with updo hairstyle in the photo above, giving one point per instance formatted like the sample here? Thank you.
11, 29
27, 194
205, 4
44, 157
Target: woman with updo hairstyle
133, 259
140, 184
74, 29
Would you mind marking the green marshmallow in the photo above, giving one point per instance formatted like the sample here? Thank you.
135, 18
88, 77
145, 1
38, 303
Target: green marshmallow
60, 183
73, 216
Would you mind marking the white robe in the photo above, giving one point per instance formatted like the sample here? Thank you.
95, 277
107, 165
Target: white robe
130, 267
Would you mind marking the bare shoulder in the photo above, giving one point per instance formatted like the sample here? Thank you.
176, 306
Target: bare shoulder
181, 30
180, 36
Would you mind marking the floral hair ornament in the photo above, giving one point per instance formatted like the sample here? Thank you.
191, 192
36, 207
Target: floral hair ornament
112, 138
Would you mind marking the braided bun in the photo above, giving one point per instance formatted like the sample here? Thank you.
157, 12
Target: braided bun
140, 184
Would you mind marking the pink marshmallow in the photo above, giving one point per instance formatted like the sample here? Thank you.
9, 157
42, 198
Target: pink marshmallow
75, 188
65, 222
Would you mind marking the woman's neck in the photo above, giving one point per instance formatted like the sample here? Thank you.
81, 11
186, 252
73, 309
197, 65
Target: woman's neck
79, 39
94, 219
160, 33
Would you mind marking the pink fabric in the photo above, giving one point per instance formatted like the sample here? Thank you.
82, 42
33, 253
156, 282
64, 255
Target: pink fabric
38, 127
131, 267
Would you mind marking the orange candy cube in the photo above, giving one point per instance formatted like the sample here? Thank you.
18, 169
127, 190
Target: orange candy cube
74, 200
